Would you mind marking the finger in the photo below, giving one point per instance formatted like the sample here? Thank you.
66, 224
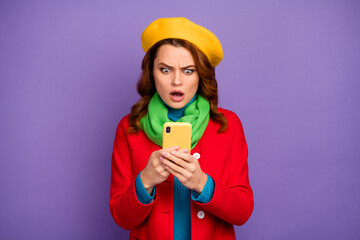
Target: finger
173, 172
170, 149
184, 150
173, 166
183, 155
161, 169
174, 159
187, 161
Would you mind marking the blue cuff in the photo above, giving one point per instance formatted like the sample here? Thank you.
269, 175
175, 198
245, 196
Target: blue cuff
206, 194
141, 192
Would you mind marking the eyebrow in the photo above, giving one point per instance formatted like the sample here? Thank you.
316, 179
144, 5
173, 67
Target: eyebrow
168, 66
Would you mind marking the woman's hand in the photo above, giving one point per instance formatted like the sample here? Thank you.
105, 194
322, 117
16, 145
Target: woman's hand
154, 173
186, 168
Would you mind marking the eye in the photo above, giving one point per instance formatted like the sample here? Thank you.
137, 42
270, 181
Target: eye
188, 71
165, 70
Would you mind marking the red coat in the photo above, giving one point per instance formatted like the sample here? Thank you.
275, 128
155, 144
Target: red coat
222, 155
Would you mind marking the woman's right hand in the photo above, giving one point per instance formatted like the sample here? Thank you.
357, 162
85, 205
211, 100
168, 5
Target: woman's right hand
154, 173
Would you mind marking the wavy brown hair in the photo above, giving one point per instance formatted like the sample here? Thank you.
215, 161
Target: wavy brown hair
146, 84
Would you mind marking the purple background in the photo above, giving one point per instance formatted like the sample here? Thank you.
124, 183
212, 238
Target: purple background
290, 71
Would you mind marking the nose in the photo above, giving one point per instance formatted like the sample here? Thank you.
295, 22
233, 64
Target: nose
176, 81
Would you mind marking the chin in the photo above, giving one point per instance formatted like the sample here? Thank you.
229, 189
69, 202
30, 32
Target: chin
177, 105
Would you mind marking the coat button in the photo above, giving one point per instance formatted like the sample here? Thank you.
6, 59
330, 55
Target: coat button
196, 155
201, 214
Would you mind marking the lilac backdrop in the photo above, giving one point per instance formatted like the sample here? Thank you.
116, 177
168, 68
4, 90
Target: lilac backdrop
290, 71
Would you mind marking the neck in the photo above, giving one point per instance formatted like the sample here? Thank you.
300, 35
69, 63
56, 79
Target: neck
175, 114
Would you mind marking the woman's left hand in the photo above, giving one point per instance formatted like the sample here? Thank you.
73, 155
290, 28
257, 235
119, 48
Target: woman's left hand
186, 168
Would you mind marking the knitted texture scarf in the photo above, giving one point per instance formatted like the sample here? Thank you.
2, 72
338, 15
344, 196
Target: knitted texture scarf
197, 114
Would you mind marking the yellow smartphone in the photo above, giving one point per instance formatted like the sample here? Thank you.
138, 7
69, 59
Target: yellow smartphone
177, 134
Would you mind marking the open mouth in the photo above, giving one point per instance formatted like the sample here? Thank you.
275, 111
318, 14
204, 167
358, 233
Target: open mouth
177, 96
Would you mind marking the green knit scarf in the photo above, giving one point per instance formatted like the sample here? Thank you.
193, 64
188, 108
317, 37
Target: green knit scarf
197, 113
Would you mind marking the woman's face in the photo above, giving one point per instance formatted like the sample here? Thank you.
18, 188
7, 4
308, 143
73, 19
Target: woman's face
175, 75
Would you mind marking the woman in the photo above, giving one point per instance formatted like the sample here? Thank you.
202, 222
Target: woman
197, 193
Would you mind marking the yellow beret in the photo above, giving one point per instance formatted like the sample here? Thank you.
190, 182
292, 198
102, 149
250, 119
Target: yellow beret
183, 28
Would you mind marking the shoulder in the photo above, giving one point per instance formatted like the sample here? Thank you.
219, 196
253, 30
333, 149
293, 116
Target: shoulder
234, 123
228, 113
123, 125
125, 121
213, 139
135, 141
231, 117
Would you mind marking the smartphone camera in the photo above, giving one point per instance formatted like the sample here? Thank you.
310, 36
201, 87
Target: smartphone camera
167, 129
